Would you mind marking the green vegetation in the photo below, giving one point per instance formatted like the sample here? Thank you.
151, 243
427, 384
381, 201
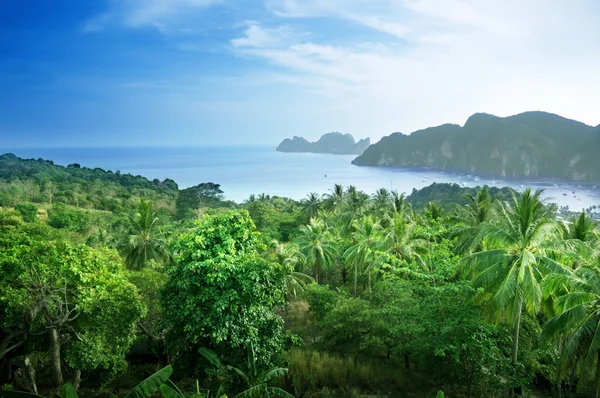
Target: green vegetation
473, 292
531, 144
336, 143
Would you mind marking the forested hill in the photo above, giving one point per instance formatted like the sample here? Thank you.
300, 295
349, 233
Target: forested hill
42, 181
335, 143
527, 145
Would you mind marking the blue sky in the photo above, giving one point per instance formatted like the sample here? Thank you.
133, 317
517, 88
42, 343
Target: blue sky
214, 72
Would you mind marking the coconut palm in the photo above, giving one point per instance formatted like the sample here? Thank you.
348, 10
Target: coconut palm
145, 242
291, 259
577, 322
382, 202
317, 246
434, 211
335, 200
312, 205
582, 228
368, 239
480, 208
513, 262
399, 203
400, 241
355, 206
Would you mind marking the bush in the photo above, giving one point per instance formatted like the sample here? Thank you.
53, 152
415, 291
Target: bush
28, 211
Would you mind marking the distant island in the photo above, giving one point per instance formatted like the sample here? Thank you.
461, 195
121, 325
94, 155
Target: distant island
527, 145
334, 143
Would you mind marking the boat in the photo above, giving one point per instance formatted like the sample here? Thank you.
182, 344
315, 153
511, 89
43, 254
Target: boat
564, 194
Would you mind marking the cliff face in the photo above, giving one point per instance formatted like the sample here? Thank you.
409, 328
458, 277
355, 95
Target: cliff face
335, 143
531, 144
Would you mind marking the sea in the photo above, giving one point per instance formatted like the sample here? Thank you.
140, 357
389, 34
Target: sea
242, 171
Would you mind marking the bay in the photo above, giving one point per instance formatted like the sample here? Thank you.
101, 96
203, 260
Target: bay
243, 171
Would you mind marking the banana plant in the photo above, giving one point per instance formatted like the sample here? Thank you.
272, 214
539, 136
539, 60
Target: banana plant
256, 380
159, 381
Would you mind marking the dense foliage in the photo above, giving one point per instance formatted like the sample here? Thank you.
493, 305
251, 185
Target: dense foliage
476, 292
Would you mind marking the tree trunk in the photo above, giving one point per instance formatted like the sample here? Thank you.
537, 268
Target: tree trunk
317, 272
76, 379
57, 378
355, 278
31, 374
515, 348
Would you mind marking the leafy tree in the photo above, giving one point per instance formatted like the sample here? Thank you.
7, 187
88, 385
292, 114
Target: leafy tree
75, 295
28, 211
317, 247
191, 199
514, 262
146, 242
221, 293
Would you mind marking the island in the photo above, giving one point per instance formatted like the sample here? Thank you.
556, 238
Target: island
527, 145
334, 143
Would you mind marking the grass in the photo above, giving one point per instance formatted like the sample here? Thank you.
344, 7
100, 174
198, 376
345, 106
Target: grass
321, 374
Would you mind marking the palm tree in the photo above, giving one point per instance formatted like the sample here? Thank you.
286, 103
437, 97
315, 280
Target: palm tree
290, 258
382, 202
311, 206
577, 322
368, 238
145, 242
470, 218
434, 211
256, 381
354, 207
400, 241
581, 228
335, 200
513, 262
317, 247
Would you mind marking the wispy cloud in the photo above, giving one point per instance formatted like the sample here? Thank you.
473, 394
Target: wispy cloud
161, 14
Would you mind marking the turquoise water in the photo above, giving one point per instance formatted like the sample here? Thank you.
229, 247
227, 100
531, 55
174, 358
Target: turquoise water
242, 171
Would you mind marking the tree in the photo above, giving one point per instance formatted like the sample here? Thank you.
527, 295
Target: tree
335, 199
290, 260
480, 208
400, 239
382, 202
368, 238
76, 296
146, 242
28, 211
317, 247
511, 266
312, 205
221, 294
191, 199
578, 322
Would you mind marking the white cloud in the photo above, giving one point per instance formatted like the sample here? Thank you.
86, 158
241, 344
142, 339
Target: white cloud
456, 57
258, 36
161, 14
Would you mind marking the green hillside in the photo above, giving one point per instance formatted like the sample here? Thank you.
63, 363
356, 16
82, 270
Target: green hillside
527, 145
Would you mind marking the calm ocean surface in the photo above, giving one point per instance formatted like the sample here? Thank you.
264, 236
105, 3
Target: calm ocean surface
242, 171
